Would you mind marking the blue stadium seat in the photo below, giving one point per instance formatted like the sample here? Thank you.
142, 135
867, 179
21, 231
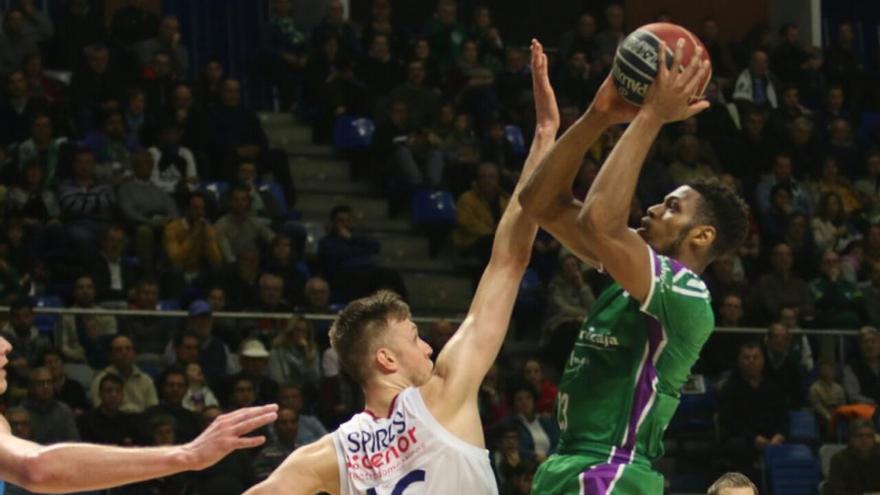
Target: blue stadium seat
436, 207
791, 470
169, 305
277, 193
869, 127
45, 323
353, 133
515, 136
696, 409
802, 427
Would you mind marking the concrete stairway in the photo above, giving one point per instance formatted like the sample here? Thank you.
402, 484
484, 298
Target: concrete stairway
322, 181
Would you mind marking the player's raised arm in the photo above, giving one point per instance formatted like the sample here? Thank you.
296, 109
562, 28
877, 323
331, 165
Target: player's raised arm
603, 216
547, 195
467, 357
310, 469
74, 467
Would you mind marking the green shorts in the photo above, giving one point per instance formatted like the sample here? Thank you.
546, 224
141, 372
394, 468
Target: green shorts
583, 474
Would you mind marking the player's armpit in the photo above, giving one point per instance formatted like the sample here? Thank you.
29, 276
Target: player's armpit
563, 225
624, 255
309, 470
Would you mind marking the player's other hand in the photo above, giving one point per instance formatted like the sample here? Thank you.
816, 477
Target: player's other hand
227, 433
670, 95
610, 106
546, 109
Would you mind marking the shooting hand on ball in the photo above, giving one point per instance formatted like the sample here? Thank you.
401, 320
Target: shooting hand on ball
670, 96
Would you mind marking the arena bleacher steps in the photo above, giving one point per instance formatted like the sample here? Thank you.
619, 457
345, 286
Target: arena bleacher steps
323, 180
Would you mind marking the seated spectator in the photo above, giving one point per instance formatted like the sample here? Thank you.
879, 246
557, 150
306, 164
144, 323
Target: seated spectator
804, 146
783, 365
168, 40
67, 390
509, 454
719, 352
774, 221
756, 84
253, 359
575, 81
838, 302
111, 148
198, 395
173, 386
191, 244
185, 350
226, 329
237, 135
317, 296
273, 453
80, 335
87, 204
799, 238
310, 429
841, 145
347, 259
21, 333
409, 150
263, 203
241, 281
15, 43
832, 181
174, 168
726, 276
106, 423
17, 110
19, 422
546, 399
867, 188
688, 165
51, 420
284, 261
115, 276
269, 300
608, 38
242, 393
519, 479
210, 84
37, 207
132, 23
790, 107
478, 212
79, 26
140, 125
781, 288
232, 475
379, 71
240, 229
194, 125
340, 395
492, 398
94, 88
831, 230
783, 173
139, 393
213, 354
146, 208
826, 395
789, 56
159, 82
288, 45
149, 334
294, 355
496, 148
422, 103
854, 469
751, 410
871, 295
462, 154
861, 377
162, 430
50, 153
538, 435
569, 297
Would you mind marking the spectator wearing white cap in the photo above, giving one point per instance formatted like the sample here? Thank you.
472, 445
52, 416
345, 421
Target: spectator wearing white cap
254, 359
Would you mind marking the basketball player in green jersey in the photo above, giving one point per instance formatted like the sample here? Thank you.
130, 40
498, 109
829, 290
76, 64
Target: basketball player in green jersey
621, 383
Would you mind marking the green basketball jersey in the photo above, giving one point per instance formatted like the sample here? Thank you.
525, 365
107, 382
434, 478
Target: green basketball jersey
621, 383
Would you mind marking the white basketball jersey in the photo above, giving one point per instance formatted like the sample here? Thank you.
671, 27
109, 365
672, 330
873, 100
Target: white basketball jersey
408, 453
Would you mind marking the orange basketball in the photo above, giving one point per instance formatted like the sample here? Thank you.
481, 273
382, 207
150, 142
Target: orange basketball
635, 63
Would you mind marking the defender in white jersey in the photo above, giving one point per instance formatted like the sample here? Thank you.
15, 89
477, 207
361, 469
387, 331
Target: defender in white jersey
421, 433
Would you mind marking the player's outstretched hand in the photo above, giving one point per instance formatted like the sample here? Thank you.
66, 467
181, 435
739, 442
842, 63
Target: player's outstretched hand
669, 97
227, 433
546, 109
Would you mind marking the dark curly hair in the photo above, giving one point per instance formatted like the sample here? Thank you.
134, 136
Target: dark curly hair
723, 209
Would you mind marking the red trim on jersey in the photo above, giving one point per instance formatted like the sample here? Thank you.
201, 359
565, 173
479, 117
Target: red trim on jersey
390, 408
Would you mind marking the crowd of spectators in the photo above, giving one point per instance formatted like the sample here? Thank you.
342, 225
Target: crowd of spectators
108, 204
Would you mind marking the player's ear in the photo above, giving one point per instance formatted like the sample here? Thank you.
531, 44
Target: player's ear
703, 235
388, 363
